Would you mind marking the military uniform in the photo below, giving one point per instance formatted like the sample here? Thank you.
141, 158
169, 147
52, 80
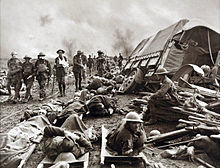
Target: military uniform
77, 70
28, 77
61, 73
54, 137
90, 64
124, 141
120, 59
43, 73
14, 76
100, 65
84, 63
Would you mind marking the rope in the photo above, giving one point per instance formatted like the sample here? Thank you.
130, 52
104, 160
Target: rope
210, 51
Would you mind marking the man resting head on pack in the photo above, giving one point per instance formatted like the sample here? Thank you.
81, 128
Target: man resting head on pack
129, 137
70, 137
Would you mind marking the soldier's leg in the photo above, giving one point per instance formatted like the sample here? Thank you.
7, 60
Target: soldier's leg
64, 85
29, 84
76, 74
59, 79
43, 83
17, 89
80, 80
9, 86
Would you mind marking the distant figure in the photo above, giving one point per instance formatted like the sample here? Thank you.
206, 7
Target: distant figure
43, 73
60, 66
84, 63
77, 70
120, 59
115, 59
14, 76
28, 77
100, 63
90, 64
129, 137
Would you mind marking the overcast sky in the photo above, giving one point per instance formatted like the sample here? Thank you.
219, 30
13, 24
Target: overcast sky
31, 26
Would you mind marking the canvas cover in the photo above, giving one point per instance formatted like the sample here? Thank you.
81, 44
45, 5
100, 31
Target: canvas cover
198, 37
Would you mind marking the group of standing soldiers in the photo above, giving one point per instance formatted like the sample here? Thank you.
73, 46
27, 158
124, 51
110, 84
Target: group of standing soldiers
27, 71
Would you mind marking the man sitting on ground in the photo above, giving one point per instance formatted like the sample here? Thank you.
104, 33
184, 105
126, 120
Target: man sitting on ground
129, 137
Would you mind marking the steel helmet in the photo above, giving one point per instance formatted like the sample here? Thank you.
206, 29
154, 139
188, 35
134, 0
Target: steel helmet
27, 57
206, 68
65, 156
154, 132
14, 53
41, 54
132, 117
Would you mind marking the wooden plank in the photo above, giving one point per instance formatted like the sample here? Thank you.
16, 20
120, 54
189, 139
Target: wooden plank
27, 155
106, 157
81, 161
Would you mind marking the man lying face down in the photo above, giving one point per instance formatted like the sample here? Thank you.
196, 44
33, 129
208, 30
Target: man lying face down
129, 137
70, 137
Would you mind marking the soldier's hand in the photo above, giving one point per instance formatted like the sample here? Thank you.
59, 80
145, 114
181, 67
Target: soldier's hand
71, 136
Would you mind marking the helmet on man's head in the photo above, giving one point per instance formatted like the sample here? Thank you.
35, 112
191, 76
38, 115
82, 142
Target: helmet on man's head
61, 51
14, 53
100, 52
27, 57
79, 52
133, 117
41, 54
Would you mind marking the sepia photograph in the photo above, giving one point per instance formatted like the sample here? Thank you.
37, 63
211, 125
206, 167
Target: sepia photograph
109, 84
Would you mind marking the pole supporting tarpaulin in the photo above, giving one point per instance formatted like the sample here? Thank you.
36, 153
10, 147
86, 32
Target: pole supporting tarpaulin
210, 50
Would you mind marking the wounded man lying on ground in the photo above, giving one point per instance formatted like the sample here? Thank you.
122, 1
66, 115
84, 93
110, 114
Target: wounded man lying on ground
70, 137
129, 137
208, 141
101, 105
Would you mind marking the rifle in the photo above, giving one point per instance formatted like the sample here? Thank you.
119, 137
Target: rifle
53, 83
180, 143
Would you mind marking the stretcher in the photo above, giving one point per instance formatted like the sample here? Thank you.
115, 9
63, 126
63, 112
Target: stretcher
108, 158
81, 162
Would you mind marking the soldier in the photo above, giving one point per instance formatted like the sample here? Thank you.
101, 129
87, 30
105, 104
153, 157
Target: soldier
100, 63
14, 75
60, 65
165, 95
28, 77
90, 64
77, 70
129, 137
43, 73
120, 59
84, 63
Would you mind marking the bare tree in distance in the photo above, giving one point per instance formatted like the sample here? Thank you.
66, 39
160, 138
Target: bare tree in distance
70, 47
123, 42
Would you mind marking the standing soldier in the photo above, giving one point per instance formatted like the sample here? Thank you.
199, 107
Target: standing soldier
120, 59
43, 73
14, 76
100, 63
77, 70
60, 66
90, 64
84, 63
28, 77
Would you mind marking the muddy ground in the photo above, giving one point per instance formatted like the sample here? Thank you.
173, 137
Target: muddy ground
15, 112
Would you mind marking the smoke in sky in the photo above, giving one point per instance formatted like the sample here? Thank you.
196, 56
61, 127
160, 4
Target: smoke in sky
31, 26
123, 42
